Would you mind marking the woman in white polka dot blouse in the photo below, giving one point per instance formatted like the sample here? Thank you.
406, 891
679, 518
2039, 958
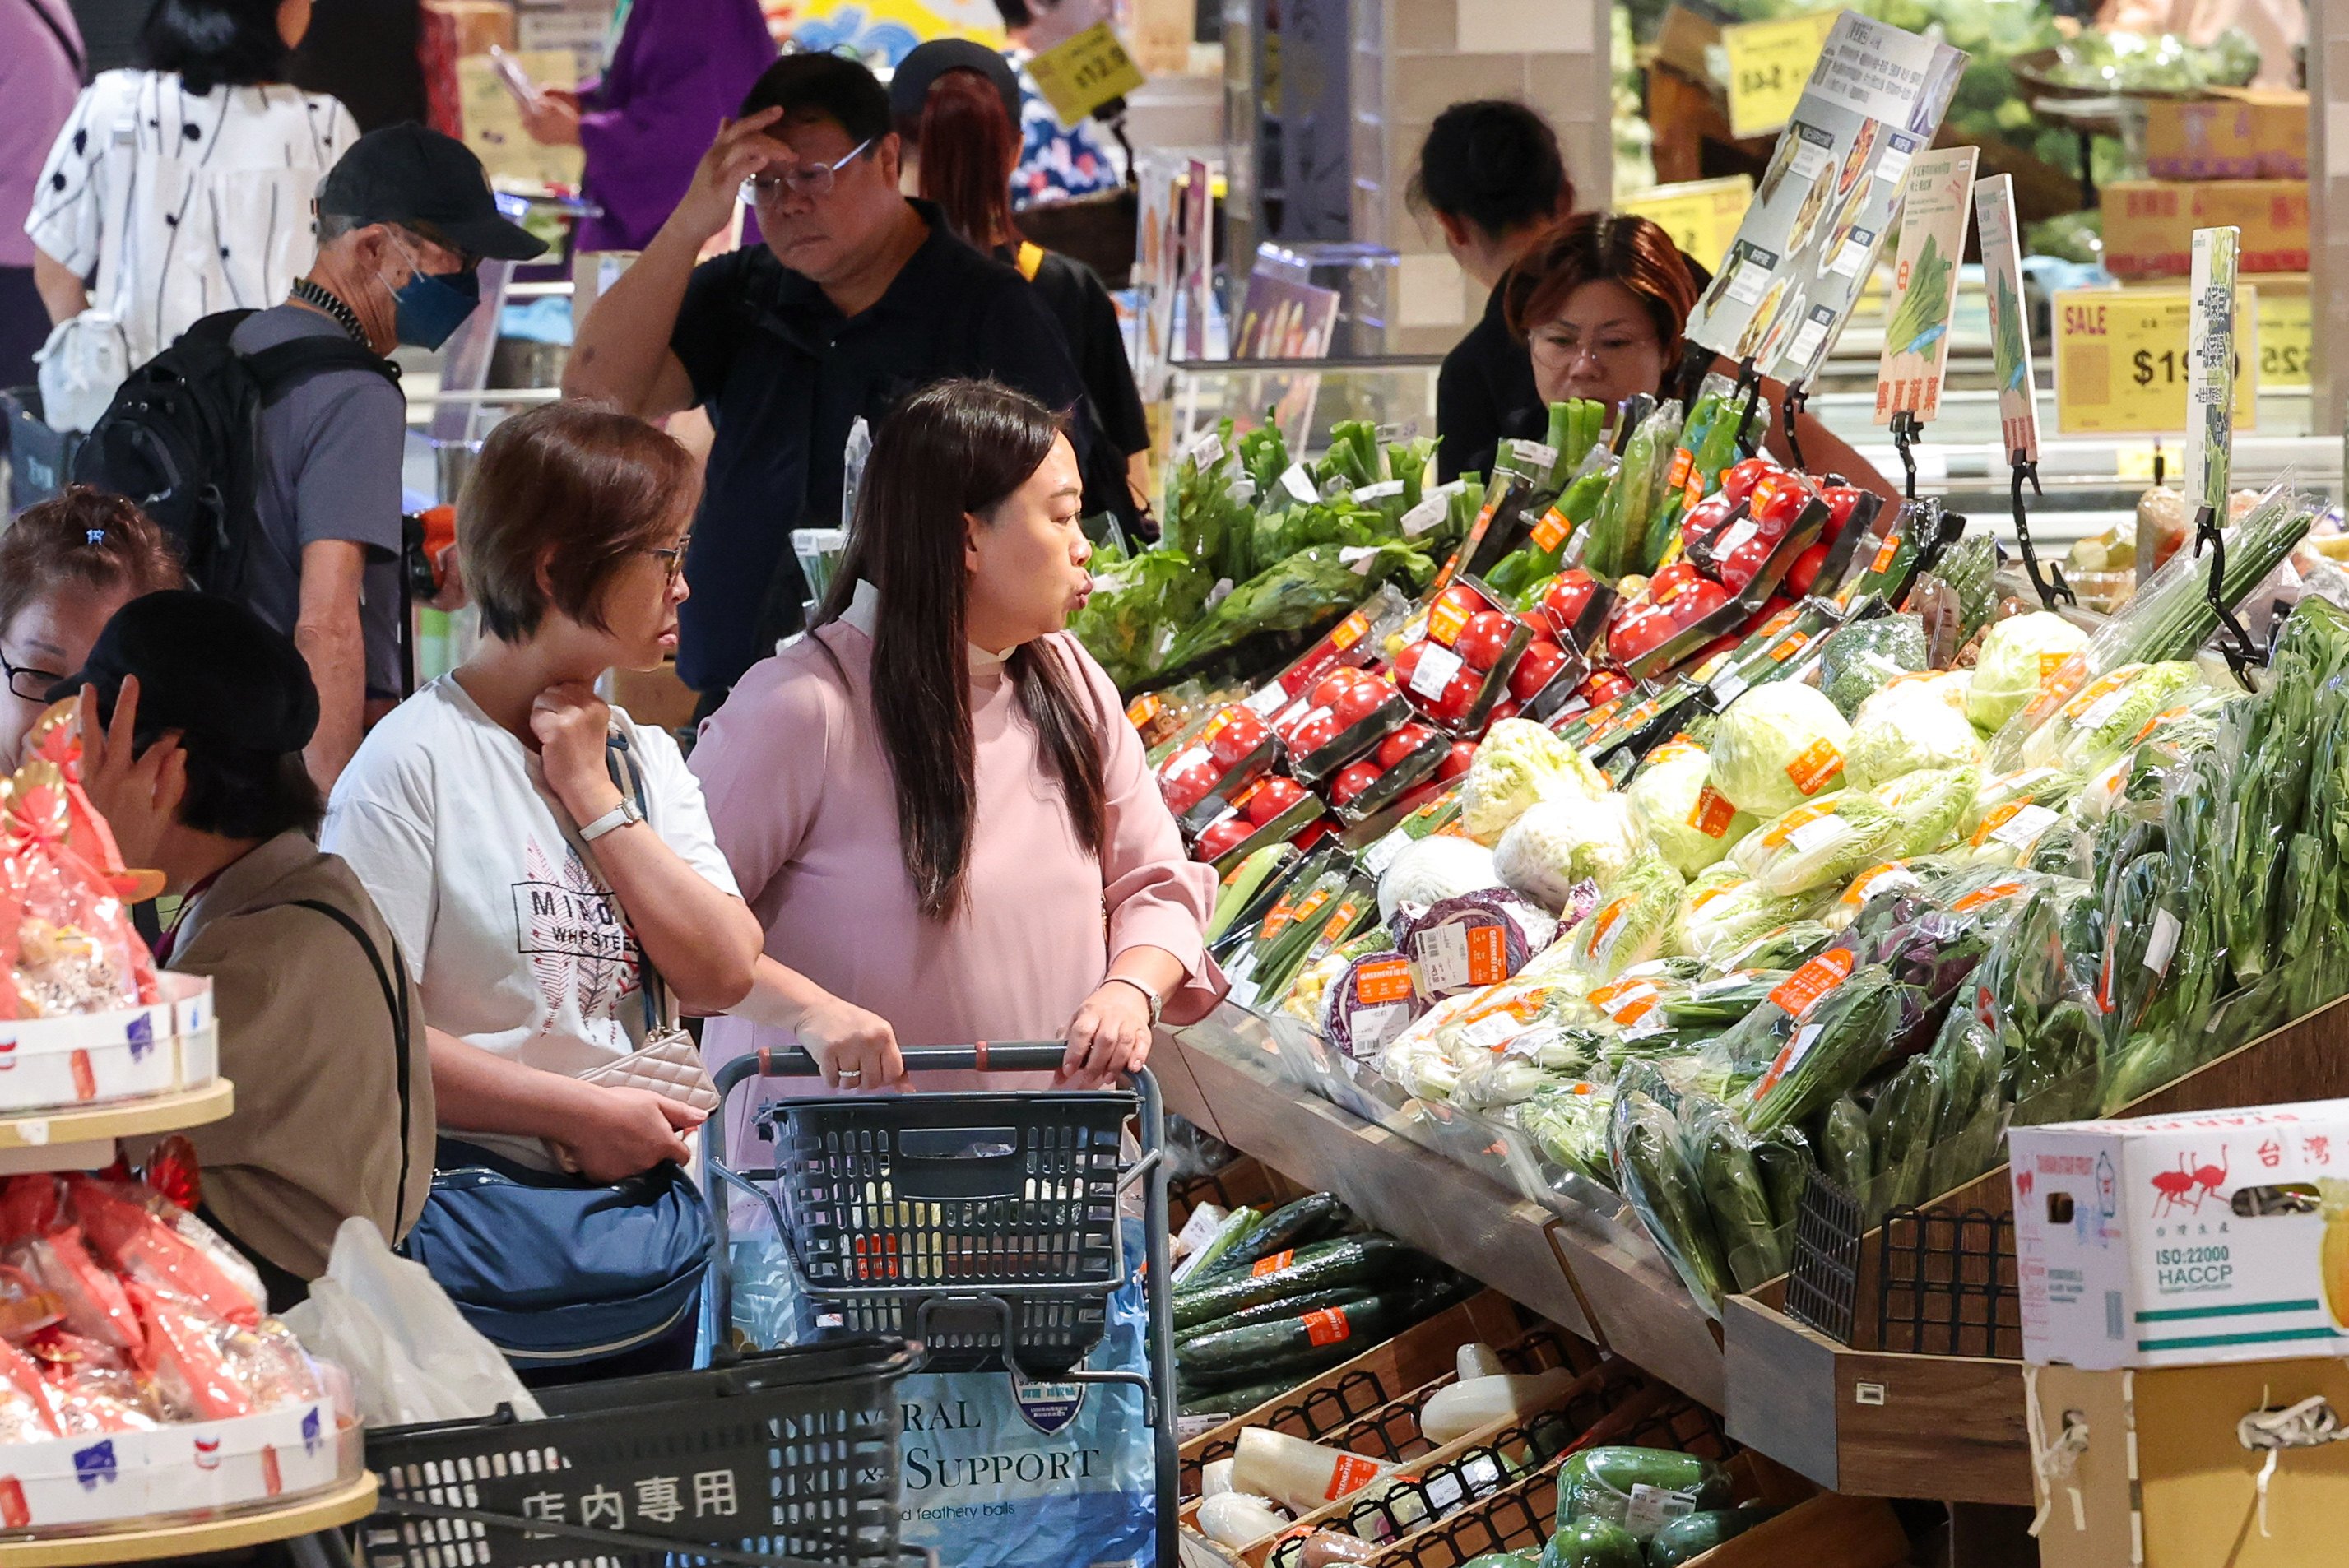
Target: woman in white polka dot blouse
185, 188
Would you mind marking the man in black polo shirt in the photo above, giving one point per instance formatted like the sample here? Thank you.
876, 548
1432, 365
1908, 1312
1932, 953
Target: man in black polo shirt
856, 297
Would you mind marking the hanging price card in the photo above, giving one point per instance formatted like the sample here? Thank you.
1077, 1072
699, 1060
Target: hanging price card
2010, 322
2211, 370
1700, 215
2121, 361
1079, 75
1769, 65
2284, 334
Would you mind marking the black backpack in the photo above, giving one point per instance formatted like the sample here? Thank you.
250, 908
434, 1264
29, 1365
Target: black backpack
182, 437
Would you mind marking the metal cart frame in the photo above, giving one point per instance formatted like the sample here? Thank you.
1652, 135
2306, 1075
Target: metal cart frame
998, 1297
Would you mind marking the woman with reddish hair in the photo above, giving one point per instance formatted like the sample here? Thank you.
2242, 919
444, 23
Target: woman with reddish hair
1602, 302
956, 104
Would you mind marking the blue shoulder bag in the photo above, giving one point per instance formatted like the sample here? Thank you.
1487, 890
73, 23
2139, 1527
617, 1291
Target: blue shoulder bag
554, 1269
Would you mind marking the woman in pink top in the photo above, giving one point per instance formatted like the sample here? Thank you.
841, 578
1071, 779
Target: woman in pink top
933, 802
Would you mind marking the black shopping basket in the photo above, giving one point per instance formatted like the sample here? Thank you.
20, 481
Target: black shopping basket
983, 1226
786, 1459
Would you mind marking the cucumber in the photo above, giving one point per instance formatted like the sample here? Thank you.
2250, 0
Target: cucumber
1593, 1544
1270, 1311
1598, 1483
1238, 1225
1266, 1346
1312, 1218
1239, 889
1697, 1533
1350, 1260
1237, 1401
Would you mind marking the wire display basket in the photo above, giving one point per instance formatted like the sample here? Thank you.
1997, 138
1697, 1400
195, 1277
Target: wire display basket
1946, 1285
785, 1457
1823, 1285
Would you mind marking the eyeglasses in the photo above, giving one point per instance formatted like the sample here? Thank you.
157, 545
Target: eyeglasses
809, 180
672, 558
1558, 353
33, 685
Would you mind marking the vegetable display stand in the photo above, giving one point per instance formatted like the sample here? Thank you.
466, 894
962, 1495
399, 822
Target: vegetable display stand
1862, 1418
1358, 1391
318, 1515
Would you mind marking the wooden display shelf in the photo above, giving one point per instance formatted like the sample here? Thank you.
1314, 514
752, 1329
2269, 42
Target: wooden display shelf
330, 1510
1581, 1277
1858, 1418
117, 1118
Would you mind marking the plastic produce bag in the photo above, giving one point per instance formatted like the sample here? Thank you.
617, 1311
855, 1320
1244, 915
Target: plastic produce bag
1919, 722
1860, 660
410, 1353
1722, 1149
1900, 1133
1652, 1171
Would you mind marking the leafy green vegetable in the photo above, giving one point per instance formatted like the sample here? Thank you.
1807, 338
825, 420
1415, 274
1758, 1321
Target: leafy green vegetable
1924, 313
1312, 587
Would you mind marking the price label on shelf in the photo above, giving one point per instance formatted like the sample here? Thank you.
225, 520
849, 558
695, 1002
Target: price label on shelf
2283, 331
1769, 65
2121, 360
1087, 71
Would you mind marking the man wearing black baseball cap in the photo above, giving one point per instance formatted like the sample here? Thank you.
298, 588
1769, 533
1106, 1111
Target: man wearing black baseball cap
193, 720
402, 219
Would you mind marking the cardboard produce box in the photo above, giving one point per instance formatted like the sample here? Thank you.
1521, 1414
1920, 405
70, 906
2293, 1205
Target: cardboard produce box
2149, 224
2145, 1469
2184, 1240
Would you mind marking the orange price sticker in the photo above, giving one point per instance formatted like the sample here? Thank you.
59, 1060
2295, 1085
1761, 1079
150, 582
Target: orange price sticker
1388, 980
1886, 553
1676, 477
1799, 992
1272, 1264
1489, 956
2049, 664
2157, 720
1143, 708
1713, 813
1551, 531
1327, 1327
1351, 1473
1627, 1001
1787, 646
1989, 894
1819, 762
1444, 621
1350, 631
1998, 817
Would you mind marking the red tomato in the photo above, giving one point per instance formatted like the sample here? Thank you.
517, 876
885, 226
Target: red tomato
1643, 630
1464, 604
1737, 568
1705, 518
1238, 733
1359, 701
1669, 580
1456, 760
1726, 643
1187, 779
1220, 839
1318, 731
1778, 502
1535, 666
1806, 569
1694, 602
1504, 708
1403, 743
1738, 480
1779, 604
1314, 831
1483, 639
1603, 687
1459, 695
1842, 502
1352, 780
1271, 798
1335, 685
1567, 598
1406, 664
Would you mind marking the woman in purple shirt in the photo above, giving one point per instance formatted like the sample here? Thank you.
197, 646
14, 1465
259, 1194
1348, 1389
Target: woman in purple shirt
679, 68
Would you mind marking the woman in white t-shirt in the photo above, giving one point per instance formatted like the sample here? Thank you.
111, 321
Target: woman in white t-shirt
482, 813
185, 188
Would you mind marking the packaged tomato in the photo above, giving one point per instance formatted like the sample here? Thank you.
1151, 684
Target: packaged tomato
1345, 714
178, 1349
92, 1298
140, 1247
1459, 664
66, 940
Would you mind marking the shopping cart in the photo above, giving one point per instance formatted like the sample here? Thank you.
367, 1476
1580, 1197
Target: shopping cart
785, 1459
983, 1226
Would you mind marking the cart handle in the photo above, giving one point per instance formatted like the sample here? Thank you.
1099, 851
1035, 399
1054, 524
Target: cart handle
1002, 1056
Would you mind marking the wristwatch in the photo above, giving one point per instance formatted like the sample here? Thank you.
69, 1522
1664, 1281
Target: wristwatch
1147, 994
618, 816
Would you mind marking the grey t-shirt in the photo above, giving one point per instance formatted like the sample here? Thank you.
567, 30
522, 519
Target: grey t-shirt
330, 470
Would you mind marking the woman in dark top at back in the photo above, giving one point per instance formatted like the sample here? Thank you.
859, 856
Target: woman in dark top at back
956, 104
1491, 173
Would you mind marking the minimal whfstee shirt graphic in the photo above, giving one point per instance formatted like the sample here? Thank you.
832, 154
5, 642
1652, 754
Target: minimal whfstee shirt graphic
569, 926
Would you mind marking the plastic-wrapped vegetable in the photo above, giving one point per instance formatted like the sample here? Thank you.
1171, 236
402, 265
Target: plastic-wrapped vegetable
1860, 660
1900, 1131
1555, 844
1517, 764
1631, 927
1470, 941
1776, 746
1726, 910
1825, 844
1837, 1043
2019, 655
1692, 824
2102, 720
1969, 1059
1652, 1172
1569, 1123
1433, 870
1916, 722
2028, 991
1370, 1003
1970, 568
1845, 1157
1785, 1162
1722, 1149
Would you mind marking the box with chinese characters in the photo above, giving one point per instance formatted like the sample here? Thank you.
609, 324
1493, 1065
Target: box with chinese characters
2183, 1240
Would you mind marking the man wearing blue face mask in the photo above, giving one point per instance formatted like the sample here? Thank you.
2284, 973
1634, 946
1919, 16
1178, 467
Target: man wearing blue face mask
402, 220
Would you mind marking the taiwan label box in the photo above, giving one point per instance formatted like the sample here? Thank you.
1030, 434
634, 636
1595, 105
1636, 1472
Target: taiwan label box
2178, 1241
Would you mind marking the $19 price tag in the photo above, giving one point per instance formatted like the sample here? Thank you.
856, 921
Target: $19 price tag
2121, 361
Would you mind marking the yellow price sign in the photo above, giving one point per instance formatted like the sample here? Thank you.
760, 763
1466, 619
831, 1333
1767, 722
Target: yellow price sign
2121, 360
2283, 339
1769, 64
1700, 215
1079, 75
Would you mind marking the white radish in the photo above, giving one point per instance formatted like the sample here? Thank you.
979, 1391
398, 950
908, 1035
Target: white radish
1475, 1403
1478, 1360
1215, 1477
1235, 1518
1301, 1474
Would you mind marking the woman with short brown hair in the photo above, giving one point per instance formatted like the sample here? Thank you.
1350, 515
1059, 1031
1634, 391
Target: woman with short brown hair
546, 862
67, 565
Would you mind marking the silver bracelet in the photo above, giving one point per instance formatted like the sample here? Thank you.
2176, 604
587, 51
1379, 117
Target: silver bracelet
1147, 994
